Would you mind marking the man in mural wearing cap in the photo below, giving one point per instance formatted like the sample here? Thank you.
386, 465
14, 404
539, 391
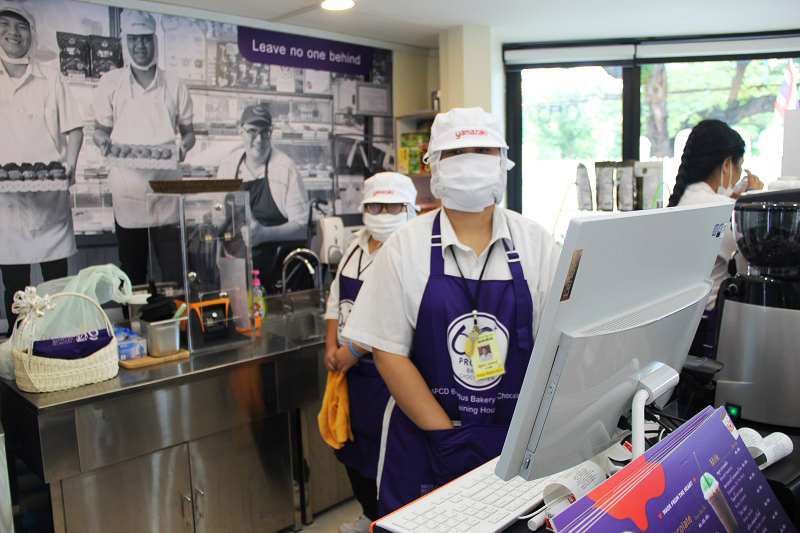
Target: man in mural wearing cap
141, 105
278, 200
39, 123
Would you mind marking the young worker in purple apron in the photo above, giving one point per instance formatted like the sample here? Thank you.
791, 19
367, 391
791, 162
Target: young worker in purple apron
278, 200
389, 201
39, 123
142, 104
447, 283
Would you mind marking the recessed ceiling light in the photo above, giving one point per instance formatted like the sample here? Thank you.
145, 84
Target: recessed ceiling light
337, 5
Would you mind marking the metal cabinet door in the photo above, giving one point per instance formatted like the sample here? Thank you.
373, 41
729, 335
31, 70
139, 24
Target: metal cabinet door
148, 493
327, 484
242, 478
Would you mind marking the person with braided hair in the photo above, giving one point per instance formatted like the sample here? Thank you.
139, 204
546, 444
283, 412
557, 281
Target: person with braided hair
711, 166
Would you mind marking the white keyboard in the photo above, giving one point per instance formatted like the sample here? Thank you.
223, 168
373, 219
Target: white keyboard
477, 502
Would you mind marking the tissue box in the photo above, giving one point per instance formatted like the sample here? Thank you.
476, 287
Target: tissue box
130, 344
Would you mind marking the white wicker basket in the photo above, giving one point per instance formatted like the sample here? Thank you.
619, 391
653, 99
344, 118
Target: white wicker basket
45, 374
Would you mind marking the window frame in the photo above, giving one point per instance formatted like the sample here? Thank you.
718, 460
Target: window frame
631, 84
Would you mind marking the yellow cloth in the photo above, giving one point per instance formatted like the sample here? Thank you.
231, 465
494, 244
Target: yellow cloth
334, 417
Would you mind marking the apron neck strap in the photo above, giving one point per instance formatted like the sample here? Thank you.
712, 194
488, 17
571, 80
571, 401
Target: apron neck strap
437, 252
523, 298
242, 160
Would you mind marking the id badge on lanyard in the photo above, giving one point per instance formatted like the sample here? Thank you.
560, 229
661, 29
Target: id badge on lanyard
481, 347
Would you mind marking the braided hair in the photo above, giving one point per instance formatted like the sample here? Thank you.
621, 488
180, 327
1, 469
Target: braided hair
709, 144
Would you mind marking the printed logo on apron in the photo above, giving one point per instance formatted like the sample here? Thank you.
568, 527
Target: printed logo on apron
345, 306
457, 333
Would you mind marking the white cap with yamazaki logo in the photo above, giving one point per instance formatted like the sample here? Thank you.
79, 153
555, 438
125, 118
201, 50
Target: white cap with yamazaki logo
465, 127
390, 188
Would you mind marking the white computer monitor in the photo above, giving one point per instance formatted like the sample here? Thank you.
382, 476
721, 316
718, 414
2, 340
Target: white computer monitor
628, 293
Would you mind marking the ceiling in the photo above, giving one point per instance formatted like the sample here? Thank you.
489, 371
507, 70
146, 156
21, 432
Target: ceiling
417, 23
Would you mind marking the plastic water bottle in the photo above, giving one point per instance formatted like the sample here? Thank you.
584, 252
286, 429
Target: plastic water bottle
259, 305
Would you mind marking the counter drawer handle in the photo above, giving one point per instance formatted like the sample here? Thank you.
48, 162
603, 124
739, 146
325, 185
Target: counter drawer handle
200, 503
184, 499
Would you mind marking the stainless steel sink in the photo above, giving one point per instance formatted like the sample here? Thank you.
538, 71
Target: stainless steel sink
298, 317
301, 326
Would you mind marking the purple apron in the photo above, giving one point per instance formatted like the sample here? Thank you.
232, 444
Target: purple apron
416, 461
367, 393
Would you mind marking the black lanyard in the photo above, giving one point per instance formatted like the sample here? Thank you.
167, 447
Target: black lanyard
360, 271
476, 297
241, 160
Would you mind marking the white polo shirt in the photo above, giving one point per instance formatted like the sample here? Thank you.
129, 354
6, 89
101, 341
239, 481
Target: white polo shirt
702, 193
358, 246
285, 183
37, 111
386, 310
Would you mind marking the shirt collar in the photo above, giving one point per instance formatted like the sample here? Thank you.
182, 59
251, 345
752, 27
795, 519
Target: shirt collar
499, 231
699, 186
363, 240
158, 79
33, 70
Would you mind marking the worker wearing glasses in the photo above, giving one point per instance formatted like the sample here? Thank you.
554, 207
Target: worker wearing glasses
459, 278
278, 200
388, 203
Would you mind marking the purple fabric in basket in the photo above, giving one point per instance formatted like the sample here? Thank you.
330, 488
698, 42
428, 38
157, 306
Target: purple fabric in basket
76, 347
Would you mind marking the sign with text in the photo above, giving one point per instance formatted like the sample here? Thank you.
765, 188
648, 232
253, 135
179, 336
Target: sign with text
699, 479
275, 48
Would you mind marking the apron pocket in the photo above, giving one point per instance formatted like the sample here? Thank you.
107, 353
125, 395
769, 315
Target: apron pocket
368, 398
454, 452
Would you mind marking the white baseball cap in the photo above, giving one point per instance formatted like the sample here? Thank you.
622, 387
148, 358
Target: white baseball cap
390, 188
20, 12
133, 22
465, 127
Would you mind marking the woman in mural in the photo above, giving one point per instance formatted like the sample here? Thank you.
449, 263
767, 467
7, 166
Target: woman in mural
278, 200
142, 105
39, 123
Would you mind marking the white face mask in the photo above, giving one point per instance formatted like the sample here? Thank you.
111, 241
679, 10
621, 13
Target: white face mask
467, 182
383, 225
726, 191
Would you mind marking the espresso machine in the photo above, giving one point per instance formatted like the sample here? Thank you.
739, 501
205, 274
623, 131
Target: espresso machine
758, 313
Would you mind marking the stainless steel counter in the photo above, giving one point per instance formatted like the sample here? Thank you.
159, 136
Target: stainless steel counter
81, 441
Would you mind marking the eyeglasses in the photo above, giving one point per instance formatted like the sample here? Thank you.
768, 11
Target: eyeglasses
377, 209
265, 132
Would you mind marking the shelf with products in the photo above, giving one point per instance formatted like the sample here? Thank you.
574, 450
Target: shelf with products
259, 92
224, 105
412, 132
317, 139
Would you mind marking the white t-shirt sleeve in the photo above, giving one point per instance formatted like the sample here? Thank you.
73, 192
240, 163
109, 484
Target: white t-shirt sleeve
227, 167
296, 204
332, 307
102, 103
379, 317
185, 109
69, 116
548, 261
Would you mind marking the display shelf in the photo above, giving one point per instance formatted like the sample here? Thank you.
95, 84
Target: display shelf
278, 141
421, 176
259, 92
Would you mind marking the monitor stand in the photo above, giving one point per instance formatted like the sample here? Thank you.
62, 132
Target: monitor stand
660, 379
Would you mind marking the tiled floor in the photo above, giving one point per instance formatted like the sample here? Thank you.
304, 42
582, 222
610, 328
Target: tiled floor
329, 521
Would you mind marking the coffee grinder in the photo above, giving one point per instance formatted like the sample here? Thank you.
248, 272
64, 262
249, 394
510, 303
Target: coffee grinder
758, 313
